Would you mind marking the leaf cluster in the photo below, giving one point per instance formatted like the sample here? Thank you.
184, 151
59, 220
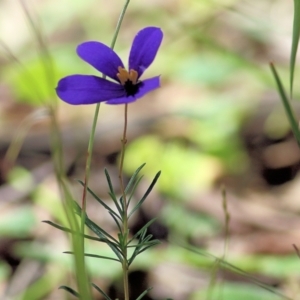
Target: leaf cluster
119, 245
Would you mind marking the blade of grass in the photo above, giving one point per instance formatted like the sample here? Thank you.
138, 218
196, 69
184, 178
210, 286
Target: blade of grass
295, 42
231, 267
288, 108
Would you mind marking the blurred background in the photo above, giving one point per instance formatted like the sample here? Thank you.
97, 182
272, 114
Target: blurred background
216, 124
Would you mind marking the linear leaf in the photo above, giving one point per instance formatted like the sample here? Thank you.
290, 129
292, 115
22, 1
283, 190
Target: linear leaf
230, 267
116, 221
141, 248
142, 229
112, 192
113, 243
94, 255
295, 42
93, 226
288, 109
101, 291
144, 293
70, 290
133, 190
143, 244
111, 188
114, 198
99, 231
72, 231
99, 200
133, 178
146, 194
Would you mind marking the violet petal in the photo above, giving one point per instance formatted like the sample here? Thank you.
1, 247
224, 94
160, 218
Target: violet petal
101, 57
86, 89
144, 48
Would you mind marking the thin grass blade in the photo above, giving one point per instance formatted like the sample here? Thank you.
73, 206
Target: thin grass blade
231, 267
295, 42
288, 109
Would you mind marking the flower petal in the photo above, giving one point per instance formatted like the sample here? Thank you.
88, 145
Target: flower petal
147, 86
144, 48
101, 57
86, 89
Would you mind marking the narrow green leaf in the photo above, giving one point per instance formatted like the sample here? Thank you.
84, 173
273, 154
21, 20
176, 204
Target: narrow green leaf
141, 248
72, 231
133, 190
112, 192
99, 231
144, 293
295, 42
107, 238
122, 239
152, 244
70, 290
142, 229
101, 291
93, 226
111, 188
133, 178
94, 255
99, 200
116, 221
138, 205
288, 109
143, 244
114, 198
59, 227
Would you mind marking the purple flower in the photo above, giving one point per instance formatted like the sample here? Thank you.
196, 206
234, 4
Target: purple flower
127, 86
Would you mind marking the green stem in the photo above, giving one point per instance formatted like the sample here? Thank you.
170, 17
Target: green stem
93, 130
125, 213
56, 146
89, 156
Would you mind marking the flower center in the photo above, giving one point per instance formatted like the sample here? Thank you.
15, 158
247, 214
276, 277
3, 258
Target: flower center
129, 80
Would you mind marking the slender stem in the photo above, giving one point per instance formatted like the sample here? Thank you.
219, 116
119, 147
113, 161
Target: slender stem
93, 130
125, 214
123, 141
89, 159
92, 135
56, 146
